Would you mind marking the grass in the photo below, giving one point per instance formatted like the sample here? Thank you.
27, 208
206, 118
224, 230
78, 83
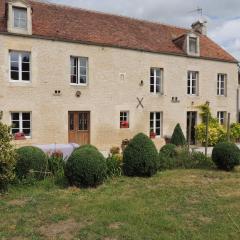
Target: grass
179, 204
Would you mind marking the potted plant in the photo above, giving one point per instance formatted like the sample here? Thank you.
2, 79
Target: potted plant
152, 134
124, 124
19, 136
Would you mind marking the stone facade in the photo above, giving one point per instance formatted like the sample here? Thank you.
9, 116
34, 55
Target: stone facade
107, 93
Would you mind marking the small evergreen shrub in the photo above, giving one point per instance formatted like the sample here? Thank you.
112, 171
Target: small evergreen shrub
200, 161
7, 157
140, 157
31, 161
226, 156
178, 138
114, 165
89, 146
169, 150
86, 167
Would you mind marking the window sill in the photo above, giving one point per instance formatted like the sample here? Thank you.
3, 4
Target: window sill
78, 85
18, 81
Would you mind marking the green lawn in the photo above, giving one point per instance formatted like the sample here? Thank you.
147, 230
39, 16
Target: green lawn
179, 204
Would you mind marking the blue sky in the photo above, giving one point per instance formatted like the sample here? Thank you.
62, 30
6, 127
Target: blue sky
223, 16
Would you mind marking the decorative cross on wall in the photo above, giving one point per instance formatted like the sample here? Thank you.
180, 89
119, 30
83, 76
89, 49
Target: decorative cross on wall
140, 102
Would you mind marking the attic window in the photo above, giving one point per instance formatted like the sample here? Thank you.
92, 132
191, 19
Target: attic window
20, 17
193, 45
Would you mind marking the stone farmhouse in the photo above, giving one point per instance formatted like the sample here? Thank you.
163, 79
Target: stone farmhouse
69, 75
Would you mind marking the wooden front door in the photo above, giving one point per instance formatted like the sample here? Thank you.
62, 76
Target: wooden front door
79, 127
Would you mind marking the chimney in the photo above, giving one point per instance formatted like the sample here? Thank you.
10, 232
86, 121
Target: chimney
200, 27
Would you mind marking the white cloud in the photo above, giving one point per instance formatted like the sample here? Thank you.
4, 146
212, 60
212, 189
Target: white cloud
223, 15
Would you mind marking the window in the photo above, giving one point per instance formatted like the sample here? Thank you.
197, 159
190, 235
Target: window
79, 70
221, 117
193, 45
192, 83
20, 17
155, 123
19, 66
83, 121
221, 84
21, 123
156, 80
124, 119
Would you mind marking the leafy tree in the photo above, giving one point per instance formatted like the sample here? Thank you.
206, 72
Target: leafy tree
7, 156
178, 138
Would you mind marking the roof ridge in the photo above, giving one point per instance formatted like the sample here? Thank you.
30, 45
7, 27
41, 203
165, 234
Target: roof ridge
46, 2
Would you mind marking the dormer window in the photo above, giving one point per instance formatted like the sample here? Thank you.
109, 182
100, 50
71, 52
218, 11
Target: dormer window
20, 17
192, 45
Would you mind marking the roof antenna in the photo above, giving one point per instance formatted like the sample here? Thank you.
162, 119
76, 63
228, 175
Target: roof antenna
198, 10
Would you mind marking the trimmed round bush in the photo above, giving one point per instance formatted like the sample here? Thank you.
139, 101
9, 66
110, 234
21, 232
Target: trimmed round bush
31, 159
86, 167
169, 150
140, 157
226, 155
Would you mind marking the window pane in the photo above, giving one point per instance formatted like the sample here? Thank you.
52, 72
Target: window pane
158, 132
25, 57
15, 116
83, 79
14, 66
25, 67
14, 56
83, 71
158, 115
15, 124
73, 79
151, 115
25, 76
83, 62
152, 88
15, 130
26, 116
158, 72
26, 124
151, 80
27, 132
71, 121
14, 75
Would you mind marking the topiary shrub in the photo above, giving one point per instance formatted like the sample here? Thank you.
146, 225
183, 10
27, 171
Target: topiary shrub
169, 150
140, 157
31, 161
226, 156
7, 157
178, 138
86, 167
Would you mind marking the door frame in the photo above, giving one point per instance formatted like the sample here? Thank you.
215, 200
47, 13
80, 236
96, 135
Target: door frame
89, 125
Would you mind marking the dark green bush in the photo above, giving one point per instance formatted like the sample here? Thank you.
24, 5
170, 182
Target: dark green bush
178, 138
140, 157
114, 165
200, 161
226, 155
169, 150
183, 159
31, 161
86, 167
87, 146
7, 157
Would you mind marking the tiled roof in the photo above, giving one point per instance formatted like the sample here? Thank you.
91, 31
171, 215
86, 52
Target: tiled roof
73, 24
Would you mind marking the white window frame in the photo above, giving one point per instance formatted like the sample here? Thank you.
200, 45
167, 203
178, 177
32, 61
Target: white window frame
221, 116
221, 78
20, 67
154, 120
197, 53
124, 116
78, 71
155, 80
21, 123
191, 86
15, 8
